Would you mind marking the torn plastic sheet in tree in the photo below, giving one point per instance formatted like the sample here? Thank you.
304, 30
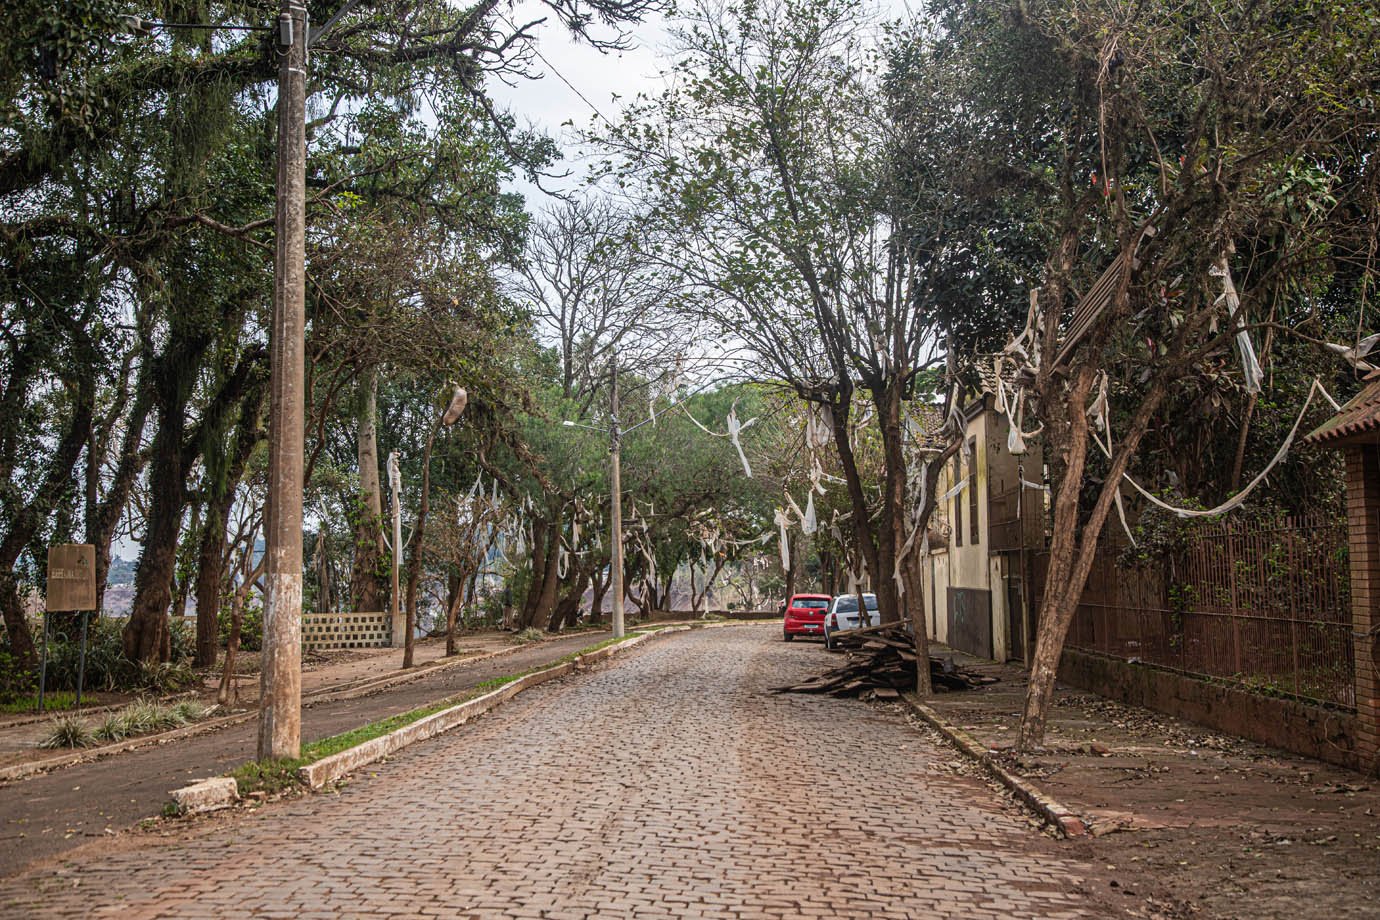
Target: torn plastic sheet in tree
1250, 365
736, 428
782, 522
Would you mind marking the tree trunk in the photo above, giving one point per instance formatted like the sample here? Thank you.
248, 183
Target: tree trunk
1073, 549
146, 633
863, 532
567, 610
455, 598
600, 588
537, 566
100, 529
210, 572
890, 529
26, 523
211, 567
792, 547
366, 576
550, 583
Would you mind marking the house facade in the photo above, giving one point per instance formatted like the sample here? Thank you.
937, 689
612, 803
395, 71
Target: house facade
989, 527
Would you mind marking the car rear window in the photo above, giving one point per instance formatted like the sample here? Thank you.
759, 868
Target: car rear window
848, 603
810, 603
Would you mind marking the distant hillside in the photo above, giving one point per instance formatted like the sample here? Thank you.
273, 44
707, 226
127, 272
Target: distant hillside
121, 571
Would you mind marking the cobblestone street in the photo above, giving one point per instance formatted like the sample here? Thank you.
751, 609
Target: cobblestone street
667, 784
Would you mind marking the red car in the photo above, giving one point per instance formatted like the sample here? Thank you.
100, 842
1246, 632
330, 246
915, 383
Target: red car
804, 615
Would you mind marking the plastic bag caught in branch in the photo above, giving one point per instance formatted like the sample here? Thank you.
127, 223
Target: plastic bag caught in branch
819, 426
736, 428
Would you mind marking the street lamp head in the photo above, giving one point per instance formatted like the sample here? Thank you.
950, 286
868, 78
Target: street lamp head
458, 400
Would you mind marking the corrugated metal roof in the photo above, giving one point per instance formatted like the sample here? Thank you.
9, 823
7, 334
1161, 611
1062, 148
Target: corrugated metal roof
1361, 415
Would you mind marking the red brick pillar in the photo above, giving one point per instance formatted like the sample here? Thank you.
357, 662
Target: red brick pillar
1363, 524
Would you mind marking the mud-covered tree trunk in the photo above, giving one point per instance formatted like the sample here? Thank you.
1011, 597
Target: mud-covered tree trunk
366, 575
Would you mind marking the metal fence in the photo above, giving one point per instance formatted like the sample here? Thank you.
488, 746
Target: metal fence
1263, 604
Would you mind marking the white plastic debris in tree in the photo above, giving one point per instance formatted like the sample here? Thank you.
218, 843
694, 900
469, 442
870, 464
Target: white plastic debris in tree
808, 523
458, 400
1356, 355
784, 536
819, 426
1250, 365
736, 428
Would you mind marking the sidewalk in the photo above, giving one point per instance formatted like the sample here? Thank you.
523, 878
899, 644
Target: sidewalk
1229, 827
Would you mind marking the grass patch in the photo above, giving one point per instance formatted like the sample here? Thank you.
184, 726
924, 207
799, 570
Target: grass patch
56, 700
276, 776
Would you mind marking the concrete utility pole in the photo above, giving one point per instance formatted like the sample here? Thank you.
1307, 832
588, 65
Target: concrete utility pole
616, 511
280, 697
395, 484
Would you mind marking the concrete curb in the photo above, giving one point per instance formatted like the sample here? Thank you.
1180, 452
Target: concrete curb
345, 691
330, 769
1058, 816
205, 795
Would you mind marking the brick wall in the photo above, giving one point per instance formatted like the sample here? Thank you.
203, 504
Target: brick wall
1314, 731
1363, 520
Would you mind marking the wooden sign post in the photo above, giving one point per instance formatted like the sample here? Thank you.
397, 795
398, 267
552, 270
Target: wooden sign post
71, 587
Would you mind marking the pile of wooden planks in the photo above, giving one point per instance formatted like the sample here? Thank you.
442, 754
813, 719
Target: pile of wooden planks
881, 664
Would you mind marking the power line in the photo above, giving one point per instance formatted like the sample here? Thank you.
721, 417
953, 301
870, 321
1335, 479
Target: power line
560, 75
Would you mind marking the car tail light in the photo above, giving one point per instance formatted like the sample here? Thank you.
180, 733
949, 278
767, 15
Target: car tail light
834, 621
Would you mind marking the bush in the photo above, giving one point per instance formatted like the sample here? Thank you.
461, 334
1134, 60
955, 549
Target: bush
164, 677
106, 666
183, 639
68, 732
251, 628
15, 682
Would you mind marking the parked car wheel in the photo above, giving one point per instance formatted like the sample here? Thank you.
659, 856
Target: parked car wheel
787, 636
828, 640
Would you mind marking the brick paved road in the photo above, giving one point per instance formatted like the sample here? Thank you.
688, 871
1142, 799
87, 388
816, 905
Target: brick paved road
665, 785
44, 816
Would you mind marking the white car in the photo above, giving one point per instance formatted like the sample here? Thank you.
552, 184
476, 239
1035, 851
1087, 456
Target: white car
843, 614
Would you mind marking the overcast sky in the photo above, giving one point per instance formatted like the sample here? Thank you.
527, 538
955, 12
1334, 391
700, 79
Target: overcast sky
548, 103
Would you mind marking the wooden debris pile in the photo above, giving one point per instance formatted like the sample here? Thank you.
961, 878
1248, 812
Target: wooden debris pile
881, 665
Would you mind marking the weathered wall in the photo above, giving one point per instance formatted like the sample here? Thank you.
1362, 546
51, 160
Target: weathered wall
1363, 525
1313, 731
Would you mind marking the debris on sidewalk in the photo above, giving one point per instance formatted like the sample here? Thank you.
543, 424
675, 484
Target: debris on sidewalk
881, 664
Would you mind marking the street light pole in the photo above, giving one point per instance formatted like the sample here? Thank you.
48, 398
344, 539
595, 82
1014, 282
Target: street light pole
280, 693
616, 509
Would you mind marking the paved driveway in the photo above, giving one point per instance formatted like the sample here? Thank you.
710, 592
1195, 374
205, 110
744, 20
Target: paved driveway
668, 784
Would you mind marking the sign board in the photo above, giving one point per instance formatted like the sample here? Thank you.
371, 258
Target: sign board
71, 577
